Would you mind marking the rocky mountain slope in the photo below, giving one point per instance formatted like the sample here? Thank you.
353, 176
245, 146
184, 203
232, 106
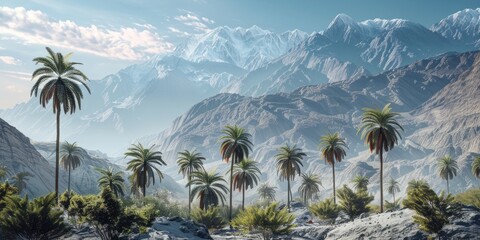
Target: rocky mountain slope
302, 116
463, 26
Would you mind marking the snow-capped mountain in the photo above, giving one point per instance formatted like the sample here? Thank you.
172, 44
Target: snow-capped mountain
437, 99
462, 25
346, 50
248, 48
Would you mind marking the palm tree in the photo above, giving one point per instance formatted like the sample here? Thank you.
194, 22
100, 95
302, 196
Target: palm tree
333, 148
360, 183
266, 192
393, 187
447, 168
476, 167
379, 129
416, 184
235, 147
20, 179
289, 161
71, 156
59, 81
189, 162
310, 186
112, 180
135, 190
144, 164
4, 172
209, 188
245, 175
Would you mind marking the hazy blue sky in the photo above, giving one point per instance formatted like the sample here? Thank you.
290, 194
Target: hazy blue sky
109, 35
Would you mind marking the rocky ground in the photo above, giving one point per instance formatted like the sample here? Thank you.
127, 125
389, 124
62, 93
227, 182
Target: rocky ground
391, 225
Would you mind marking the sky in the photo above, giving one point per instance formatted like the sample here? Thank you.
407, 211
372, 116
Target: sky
110, 35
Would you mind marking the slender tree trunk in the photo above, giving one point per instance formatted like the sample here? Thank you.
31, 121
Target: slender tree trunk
448, 188
57, 151
288, 193
333, 174
231, 188
243, 197
394, 202
189, 196
69, 167
144, 180
381, 180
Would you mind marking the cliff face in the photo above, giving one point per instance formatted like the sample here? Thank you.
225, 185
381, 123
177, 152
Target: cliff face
18, 155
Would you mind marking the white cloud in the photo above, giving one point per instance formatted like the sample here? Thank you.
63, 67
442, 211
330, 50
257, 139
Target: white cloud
146, 26
35, 27
9, 60
178, 31
199, 24
16, 75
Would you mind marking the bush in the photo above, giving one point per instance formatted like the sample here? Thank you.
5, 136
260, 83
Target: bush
373, 208
353, 203
325, 210
269, 220
36, 219
64, 199
392, 206
6, 190
162, 205
211, 218
432, 211
470, 197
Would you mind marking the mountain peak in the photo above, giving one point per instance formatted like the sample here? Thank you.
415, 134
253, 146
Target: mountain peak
463, 25
343, 20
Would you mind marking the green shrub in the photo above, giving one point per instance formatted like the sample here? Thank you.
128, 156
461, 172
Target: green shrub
432, 211
64, 199
392, 206
6, 190
37, 219
211, 218
470, 197
162, 205
353, 203
326, 210
267, 221
373, 208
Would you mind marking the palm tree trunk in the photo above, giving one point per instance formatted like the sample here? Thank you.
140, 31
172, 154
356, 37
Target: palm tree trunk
288, 193
231, 188
333, 174
57, 151
189, 196
69, 180
381, 180
144, 180
448, 188
394, 202
243, 197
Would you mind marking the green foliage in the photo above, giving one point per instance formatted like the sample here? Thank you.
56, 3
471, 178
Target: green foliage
432, 211
309, 187
470, 197
326, 210
4, 172
360, 183
209, 189
352, 203
162, 204
37, 219
289, 163
269, 220
6, 190
211, 217
20, 179
374, 208
64, 200
392, 206
266, 193
112, 180
476, 167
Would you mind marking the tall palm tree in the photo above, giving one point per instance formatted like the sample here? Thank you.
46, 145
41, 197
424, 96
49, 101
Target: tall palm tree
20, 179
144, 165
380, 130
71, 156
447, 168
310, 186
135, 189
245, 175
476, 167
333, 148
235, 147
209, 188
4, 172
360, 183
58, 80
112, 180
189, 162
393, 187
289, 161
266, 192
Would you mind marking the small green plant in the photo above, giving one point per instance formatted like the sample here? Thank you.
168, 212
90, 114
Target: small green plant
211, 217
353, 203
392, 206
470, 197
267, 221
432, 211
37, 219
326, 210
6, 190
